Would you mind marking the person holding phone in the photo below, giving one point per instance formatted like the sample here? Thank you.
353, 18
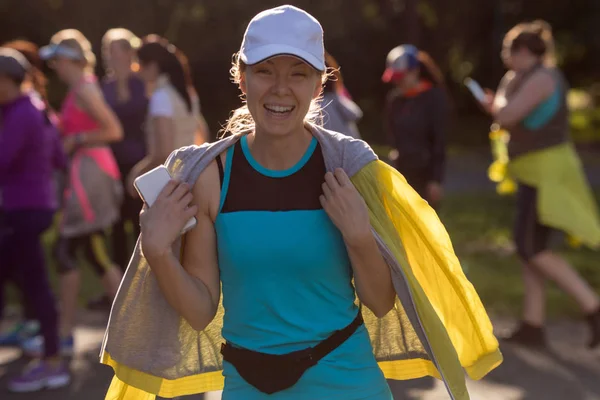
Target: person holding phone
416, 120
302, 233
553, 193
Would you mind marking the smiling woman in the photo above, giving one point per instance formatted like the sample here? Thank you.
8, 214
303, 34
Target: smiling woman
242, 121
291, 233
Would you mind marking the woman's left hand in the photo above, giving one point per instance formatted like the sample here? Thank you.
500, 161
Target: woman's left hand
345, 206
69, 143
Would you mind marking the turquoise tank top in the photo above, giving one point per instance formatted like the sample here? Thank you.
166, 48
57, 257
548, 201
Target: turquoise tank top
544, 112
287, 279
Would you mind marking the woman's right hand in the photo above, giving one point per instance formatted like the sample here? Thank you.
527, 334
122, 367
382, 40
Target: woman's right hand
488, 101
162, 223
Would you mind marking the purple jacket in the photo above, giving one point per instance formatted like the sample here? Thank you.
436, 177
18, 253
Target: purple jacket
30, 151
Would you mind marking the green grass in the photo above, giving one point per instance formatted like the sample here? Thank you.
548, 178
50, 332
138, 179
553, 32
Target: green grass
480, 226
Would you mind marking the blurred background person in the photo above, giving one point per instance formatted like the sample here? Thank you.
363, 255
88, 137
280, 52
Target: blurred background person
125, 93
28, 155
416, 119
93, 193
340, 113
174, 118
553, 192
34, 85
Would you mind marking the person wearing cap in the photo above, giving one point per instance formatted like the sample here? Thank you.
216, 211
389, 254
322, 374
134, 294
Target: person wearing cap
93, 192
416, 119
28, 206
34, 85
295, 223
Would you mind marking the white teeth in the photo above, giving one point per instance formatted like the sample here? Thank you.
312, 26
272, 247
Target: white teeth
279, 109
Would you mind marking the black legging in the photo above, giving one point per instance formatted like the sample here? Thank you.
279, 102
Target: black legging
130, 211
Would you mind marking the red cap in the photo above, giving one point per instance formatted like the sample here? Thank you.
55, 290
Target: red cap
391, 75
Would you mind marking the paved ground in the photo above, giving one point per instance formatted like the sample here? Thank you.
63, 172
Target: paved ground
567, 372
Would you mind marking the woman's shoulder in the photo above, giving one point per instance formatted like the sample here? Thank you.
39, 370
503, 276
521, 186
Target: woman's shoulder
89, 86
343, 151
187, 162
543, 78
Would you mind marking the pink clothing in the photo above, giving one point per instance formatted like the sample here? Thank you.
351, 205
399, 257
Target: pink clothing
74, 120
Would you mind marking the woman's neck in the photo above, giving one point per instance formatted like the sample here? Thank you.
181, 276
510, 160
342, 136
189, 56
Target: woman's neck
531, 64
10, 95
75, 77
404, 88
279, 152
122, 76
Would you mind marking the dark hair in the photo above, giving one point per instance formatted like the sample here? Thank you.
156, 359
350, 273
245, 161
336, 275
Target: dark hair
534, 36
170, 61
429, 70
30, 52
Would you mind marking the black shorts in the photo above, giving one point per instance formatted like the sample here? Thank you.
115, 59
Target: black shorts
94, 248
531, 237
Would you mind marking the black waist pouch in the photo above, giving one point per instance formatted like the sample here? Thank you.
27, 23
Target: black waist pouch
272, 373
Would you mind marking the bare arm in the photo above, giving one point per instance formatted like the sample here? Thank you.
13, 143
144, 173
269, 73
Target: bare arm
203, 132
91, 99
160, 147
534, 91
372, 276
192, 286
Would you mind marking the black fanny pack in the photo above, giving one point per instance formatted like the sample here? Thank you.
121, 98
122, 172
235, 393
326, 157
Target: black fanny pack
272, 373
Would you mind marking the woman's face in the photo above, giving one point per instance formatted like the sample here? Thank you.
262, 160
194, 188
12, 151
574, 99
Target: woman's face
119, 58
64, 67
7, 88
409, 79
518, 60
149, 72
279, 92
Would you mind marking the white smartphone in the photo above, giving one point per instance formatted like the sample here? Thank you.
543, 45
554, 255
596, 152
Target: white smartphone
475, 89
149, 186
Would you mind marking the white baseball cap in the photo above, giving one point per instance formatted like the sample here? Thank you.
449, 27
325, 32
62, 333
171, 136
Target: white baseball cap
59, 50
284, 30
13, 63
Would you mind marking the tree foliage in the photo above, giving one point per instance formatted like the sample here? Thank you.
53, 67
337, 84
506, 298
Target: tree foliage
463, 36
